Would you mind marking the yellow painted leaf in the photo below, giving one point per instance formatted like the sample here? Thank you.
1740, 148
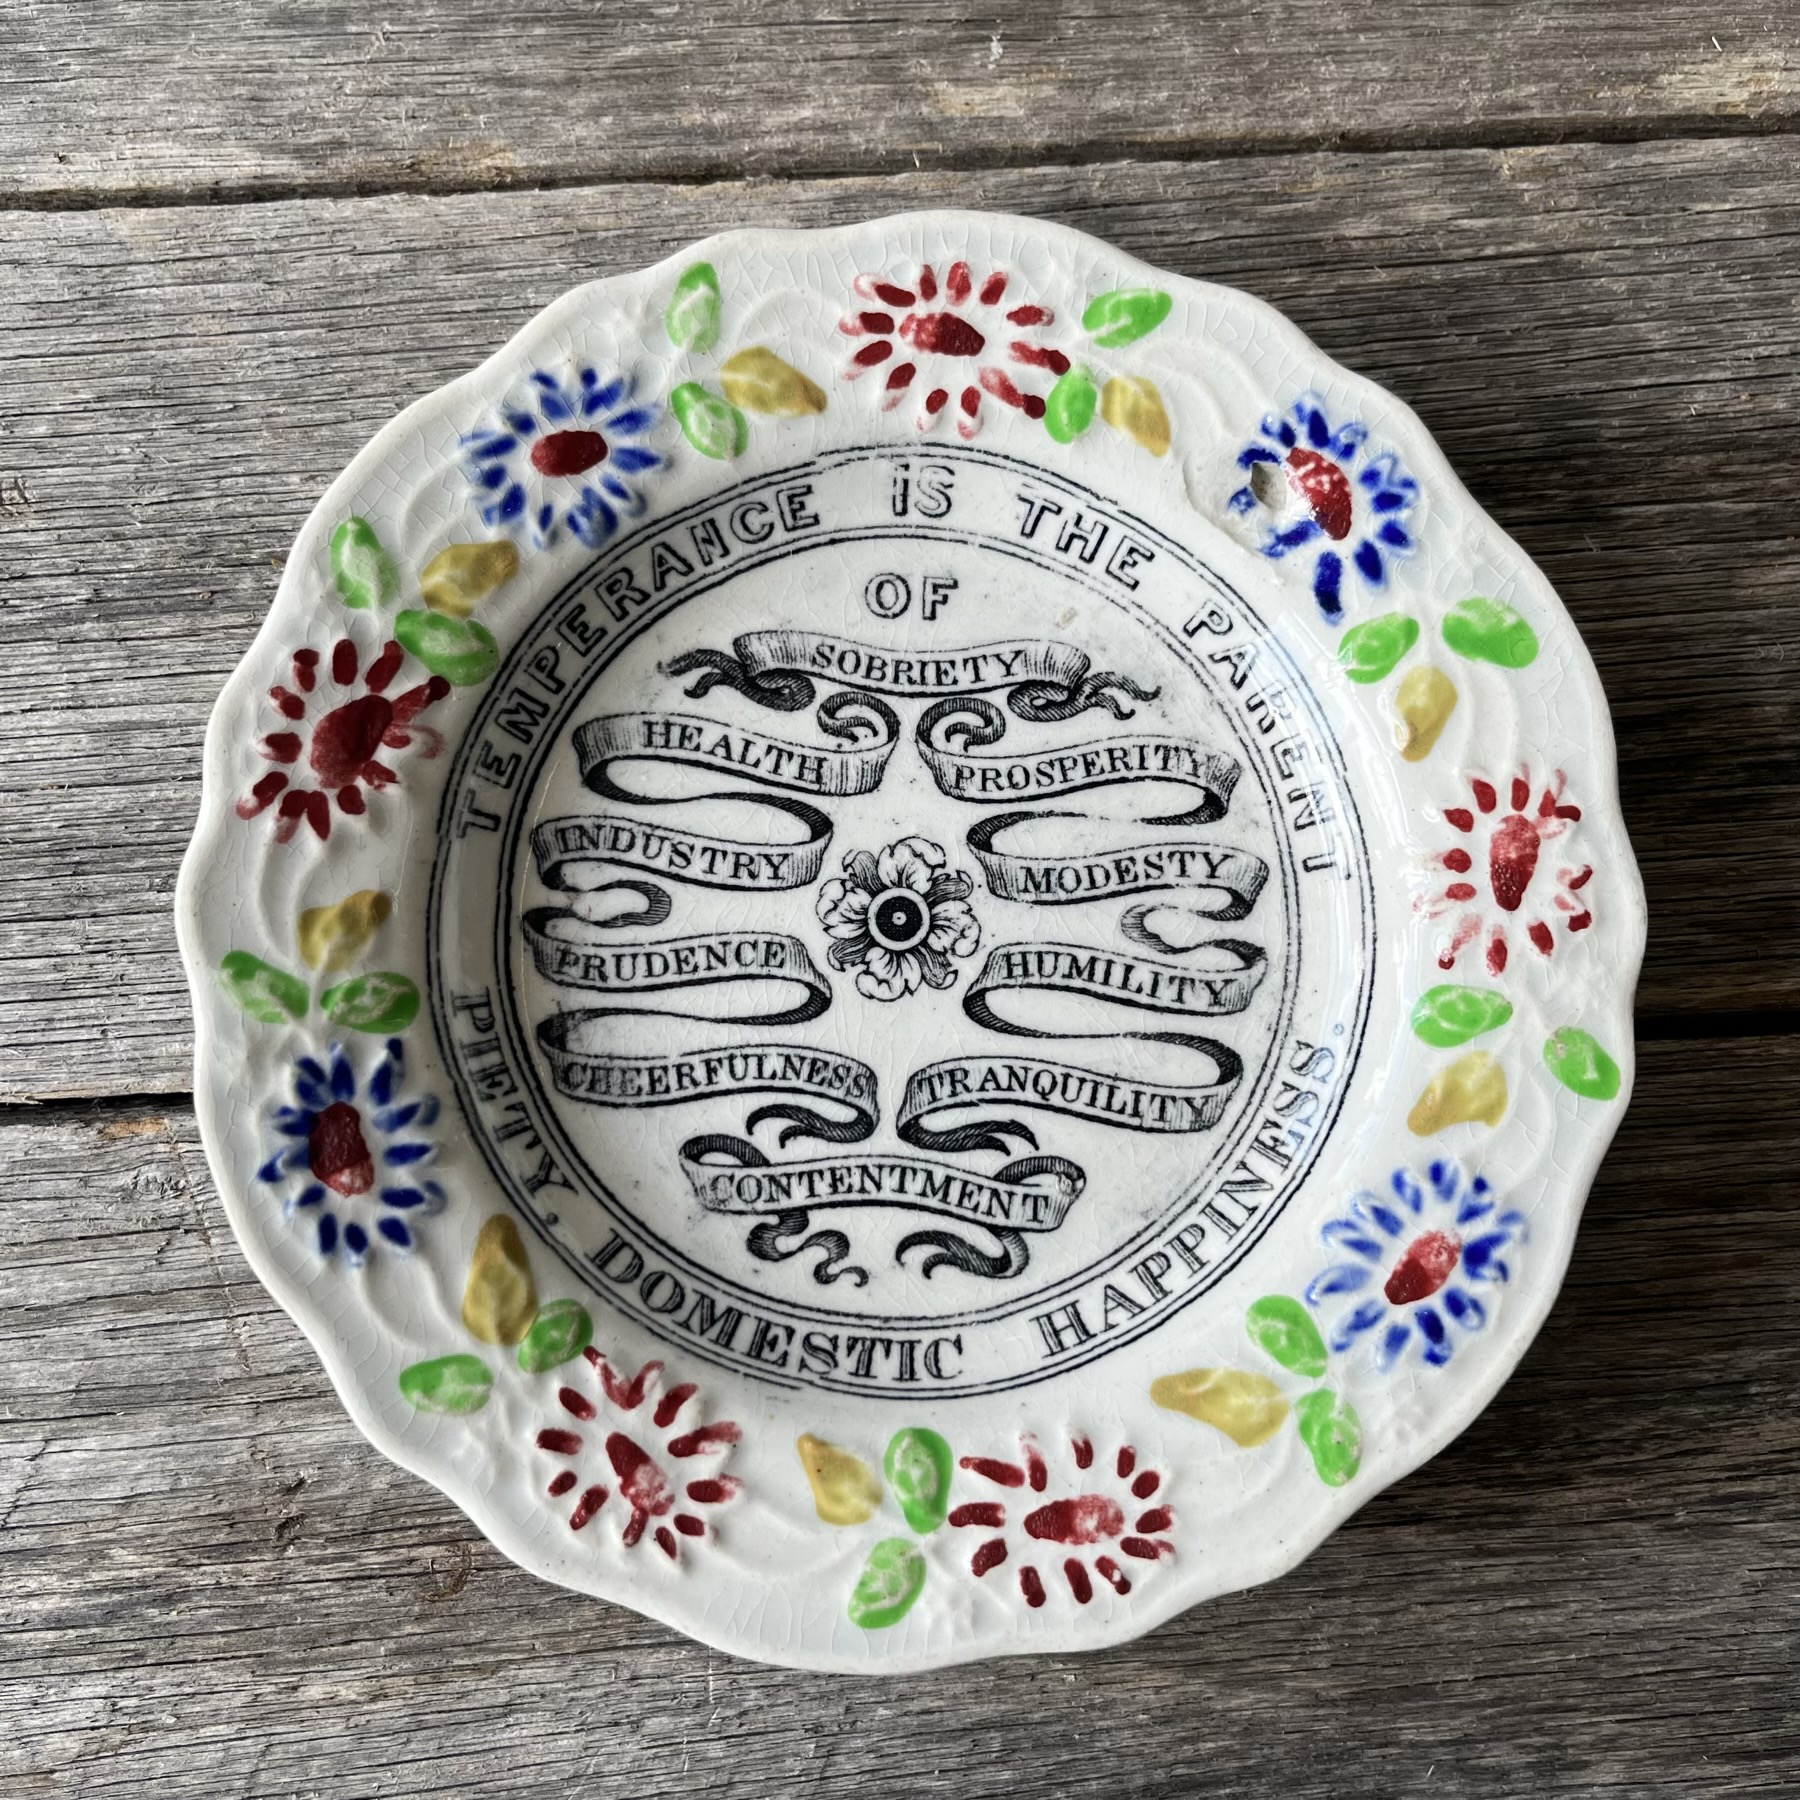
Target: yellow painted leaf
760, 382
1471, 1090
1247, 1408
1130, 404
333, 937
500, 1300
845, 1490
1423, 703
461, 576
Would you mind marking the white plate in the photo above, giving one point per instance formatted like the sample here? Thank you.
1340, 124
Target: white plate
910, 943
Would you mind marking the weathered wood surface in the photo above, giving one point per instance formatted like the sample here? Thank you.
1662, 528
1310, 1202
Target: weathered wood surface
208, 1584
209, 1578
174, 99
1603, 339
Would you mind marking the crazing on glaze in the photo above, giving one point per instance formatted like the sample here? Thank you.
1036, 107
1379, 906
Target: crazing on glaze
910, 944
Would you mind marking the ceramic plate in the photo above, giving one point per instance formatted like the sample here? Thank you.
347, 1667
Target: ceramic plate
909, 943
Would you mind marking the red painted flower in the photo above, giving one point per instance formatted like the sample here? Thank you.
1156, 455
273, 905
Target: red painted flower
1100, 1508
333, 753
1500, 876
954, 343
639, 1453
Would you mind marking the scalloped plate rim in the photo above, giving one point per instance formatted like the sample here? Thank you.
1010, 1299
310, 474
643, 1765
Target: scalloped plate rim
1174, 1597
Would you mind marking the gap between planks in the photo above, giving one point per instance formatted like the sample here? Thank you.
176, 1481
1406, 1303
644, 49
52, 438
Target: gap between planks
718, 172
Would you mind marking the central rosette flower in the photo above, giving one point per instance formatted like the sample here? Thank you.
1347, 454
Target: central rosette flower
897, 918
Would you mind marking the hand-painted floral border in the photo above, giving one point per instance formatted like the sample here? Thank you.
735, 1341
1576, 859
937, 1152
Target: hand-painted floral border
1407, 1271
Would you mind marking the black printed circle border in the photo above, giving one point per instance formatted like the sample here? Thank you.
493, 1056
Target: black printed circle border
547, 1115
547, 1119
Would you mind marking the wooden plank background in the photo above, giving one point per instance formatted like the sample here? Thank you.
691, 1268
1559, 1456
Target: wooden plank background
183, 99
234, 239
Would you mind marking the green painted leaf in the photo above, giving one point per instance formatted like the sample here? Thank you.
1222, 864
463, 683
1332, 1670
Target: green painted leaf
1575, 1058
1069, 410
366, 576
561, 1330
262, 990
709, 422
692, 319
461, 651
1283, 1330
892, 1579
1490, 631
1125, 315
447, 1384
917, 1465
381, 1001
1370, 650
1448, 1015
1332, 1434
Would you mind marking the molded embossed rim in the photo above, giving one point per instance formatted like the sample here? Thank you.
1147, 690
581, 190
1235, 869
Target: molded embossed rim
825, 1531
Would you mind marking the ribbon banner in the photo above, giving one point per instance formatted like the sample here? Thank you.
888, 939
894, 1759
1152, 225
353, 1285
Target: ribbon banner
1131, 1103
1140, 981
949, 732
708, 744
585, 1065
584, 1070
1235, 877
772, 980
581, 1045
574, 852
569, 851
1125, 1101
1043, 680
566, 952
607, 1078
1033, 1193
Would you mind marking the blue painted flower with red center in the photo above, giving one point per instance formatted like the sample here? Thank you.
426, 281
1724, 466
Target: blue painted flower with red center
566, 457
1318, 490
353, 1162
1413, 1264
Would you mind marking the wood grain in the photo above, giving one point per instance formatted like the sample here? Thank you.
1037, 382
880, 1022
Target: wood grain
1601, 338
209, 1585
179, 99
213, 1586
